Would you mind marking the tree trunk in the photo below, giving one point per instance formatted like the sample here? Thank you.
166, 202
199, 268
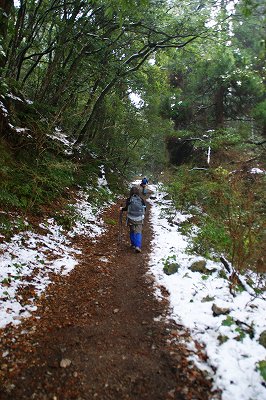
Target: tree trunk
16, 42
5, 8
219, 106
88, 124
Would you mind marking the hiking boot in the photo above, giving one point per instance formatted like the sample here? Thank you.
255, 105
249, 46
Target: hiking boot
138, 250
132, 246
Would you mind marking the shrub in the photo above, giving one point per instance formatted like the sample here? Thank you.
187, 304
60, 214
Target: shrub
231, 219
261, 366
211, 237
67, 217
27, 182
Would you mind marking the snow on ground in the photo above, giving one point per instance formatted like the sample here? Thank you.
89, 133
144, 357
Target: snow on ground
29, 258
3, 109
257, 171
59, 136
234, 362
102, 182
22, 257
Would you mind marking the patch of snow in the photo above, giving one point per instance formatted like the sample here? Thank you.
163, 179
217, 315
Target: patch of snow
28, 259
104, 259
102, 182
209, 155
25, 255
234, 362
62, 138
257, 171
3, 109
19, 130
89, 222
12, 96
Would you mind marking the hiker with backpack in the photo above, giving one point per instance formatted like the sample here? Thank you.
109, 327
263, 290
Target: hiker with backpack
135, 207
143, 184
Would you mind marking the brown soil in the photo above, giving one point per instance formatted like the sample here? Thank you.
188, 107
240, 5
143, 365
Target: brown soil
96, 334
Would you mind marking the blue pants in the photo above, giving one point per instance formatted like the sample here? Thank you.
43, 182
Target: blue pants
135, 232
136, 239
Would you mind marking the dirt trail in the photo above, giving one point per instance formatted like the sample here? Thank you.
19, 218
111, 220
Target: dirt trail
94, 335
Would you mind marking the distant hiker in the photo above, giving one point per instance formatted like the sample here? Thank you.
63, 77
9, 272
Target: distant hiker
143, 184
135, 207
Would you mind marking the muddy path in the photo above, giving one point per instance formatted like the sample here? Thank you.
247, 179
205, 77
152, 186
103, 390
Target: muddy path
100, 333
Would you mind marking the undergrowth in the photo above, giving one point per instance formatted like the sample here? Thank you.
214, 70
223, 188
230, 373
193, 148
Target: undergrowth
11, 224
30, 181
68, 217
27, 182
229, 213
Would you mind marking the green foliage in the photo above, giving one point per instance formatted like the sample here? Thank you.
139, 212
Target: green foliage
9, 225
249, 7
222, 339
228, 321
231, 217
79, 61
227, 137
222, 274
262, 368
207, 299
239, 288
5, 225
186, 227
110, 221
170, 266
6, 281
193, 188
87, 173
217, 84
210, 236
27, 182
241, 331
80, 69
241, 334
116, 182
259, 112
68, 217
98, 196
121, 8
258, 291
3, 85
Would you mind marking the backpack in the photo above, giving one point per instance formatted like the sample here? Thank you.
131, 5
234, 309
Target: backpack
144, 181
135, 209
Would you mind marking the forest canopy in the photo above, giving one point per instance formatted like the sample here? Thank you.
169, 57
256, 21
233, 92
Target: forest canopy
198, 68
